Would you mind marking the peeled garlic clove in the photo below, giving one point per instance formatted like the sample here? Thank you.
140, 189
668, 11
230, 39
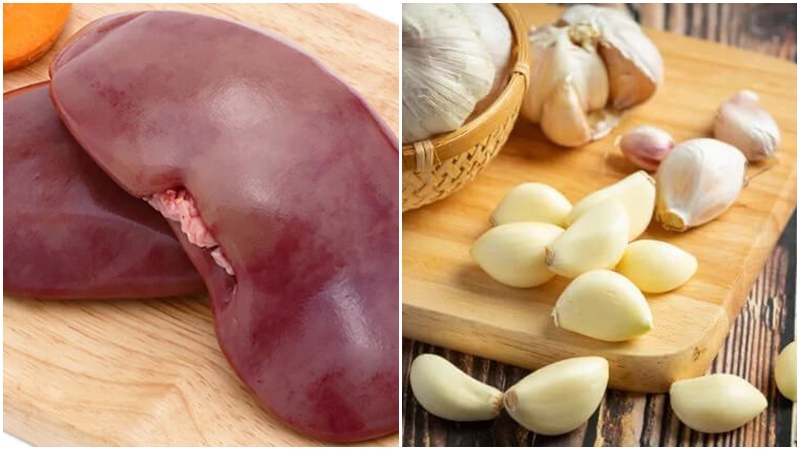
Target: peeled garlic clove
646, 146
596, 240
786, 371
513, 253
558, 398
716, 403
532, 202
697, 182
743, 123
447, 392
563, 119
637, 192
603, 305
655, 266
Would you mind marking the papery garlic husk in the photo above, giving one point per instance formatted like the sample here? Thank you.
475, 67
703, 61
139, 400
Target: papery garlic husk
716, 403
447, 392
635, 67
447, 69
697, 182
513, 253
743, 123
596, 240
646, 146
491, 26
603, 305
532, 202
637, 192
568, 83
786, 371
559, 397
655, 266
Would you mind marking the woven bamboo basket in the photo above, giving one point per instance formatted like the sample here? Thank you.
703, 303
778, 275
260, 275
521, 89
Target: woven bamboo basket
435, 168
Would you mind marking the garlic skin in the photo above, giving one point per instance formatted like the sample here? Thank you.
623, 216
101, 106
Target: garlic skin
697, 182
635, 67
513, 253
786, 371
743, 123
716, 403
603, 305
532, 202
447, 69
559, 397
637, 192
597, 240
646, 146
569, 81
655, 266
447, 392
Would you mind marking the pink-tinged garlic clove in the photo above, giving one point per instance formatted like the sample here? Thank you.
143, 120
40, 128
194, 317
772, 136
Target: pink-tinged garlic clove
743, 123
646, 146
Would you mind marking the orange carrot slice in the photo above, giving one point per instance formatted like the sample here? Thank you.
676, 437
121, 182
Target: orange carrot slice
30, 30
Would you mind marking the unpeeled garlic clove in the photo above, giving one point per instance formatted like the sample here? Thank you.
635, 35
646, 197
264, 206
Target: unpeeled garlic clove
635, 68
697, 182
559, 397
514, 254
532, 202
743, 123
447, 392
637, 192
603, 305
646, 146
655, 266
786, 371
564, 121
716, 403
596, 240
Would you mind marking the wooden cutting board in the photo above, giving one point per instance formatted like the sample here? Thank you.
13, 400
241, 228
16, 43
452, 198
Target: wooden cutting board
448, 301
131, 373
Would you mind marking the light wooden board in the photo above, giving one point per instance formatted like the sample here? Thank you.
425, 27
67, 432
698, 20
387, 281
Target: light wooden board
450, 302
151, 373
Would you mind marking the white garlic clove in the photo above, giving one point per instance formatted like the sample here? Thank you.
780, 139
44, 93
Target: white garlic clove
514, 254
637, 192
743, 123
447, 392
646, 146
635, 67
655, 266
786, 371
603, 305
697, 182
596, 240
532, 202
716, 403
559, 397
563, 119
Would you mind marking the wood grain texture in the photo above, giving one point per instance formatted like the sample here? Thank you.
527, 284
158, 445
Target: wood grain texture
151, 372
767, 320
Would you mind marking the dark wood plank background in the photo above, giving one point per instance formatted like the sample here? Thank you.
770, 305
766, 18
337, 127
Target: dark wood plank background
765, 325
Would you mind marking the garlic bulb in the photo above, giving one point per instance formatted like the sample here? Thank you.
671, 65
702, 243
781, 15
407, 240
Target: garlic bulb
646, 146
559, 397
716, 403
697, 182
532, 202
635, 67
447, 69
743, 123
568, 81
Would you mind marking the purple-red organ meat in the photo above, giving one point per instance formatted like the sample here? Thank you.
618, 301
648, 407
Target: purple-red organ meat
291, 174
68, 230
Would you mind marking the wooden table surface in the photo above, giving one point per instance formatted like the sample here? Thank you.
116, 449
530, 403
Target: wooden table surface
765, 325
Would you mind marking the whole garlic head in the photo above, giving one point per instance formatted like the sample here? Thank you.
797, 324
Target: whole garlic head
743, 123
697, 182
568, 81
447, 69
635, 67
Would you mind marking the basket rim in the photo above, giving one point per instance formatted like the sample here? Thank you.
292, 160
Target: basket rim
446, 146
